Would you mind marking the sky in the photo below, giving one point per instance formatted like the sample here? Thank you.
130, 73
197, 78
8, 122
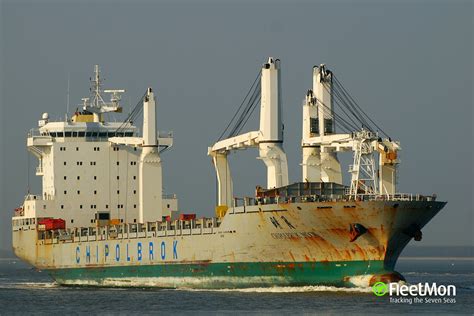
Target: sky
408, 63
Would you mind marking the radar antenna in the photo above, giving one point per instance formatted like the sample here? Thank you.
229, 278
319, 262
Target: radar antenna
98, 106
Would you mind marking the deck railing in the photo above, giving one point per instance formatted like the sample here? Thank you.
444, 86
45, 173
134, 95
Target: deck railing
90, 134
131, 230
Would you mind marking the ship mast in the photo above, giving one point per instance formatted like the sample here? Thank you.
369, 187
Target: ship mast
97, 84
98, 106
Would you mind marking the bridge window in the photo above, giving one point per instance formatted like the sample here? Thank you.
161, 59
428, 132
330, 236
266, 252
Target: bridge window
328, 127
314, 125
102, 216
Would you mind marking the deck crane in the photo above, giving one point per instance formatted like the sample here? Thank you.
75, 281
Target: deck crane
320, 144
150, 166
318, 165
268, 139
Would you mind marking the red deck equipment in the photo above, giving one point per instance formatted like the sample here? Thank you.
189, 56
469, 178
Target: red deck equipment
187, 217
51, 224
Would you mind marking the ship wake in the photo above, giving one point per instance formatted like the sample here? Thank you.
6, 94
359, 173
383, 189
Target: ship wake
30, 285
289, 289
215, 285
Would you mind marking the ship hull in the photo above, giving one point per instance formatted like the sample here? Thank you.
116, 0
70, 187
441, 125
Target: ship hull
287, 244
225, 275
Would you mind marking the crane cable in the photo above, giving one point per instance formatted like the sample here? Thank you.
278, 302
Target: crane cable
333, 112
348, 127
247, 109
247, 113
345, 102
137, 109
357, 105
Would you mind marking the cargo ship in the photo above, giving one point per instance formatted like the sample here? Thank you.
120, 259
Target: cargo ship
102, 218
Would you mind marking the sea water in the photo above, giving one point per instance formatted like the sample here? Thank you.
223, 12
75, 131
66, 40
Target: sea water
24, 289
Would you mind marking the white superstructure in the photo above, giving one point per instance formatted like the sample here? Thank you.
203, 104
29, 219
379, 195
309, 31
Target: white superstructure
95, 170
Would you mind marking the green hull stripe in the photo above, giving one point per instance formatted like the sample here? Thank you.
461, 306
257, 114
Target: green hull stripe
219, 275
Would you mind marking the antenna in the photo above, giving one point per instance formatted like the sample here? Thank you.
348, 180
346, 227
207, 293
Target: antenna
67, 106
28, 172
96, 104
84, 102
96, 88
